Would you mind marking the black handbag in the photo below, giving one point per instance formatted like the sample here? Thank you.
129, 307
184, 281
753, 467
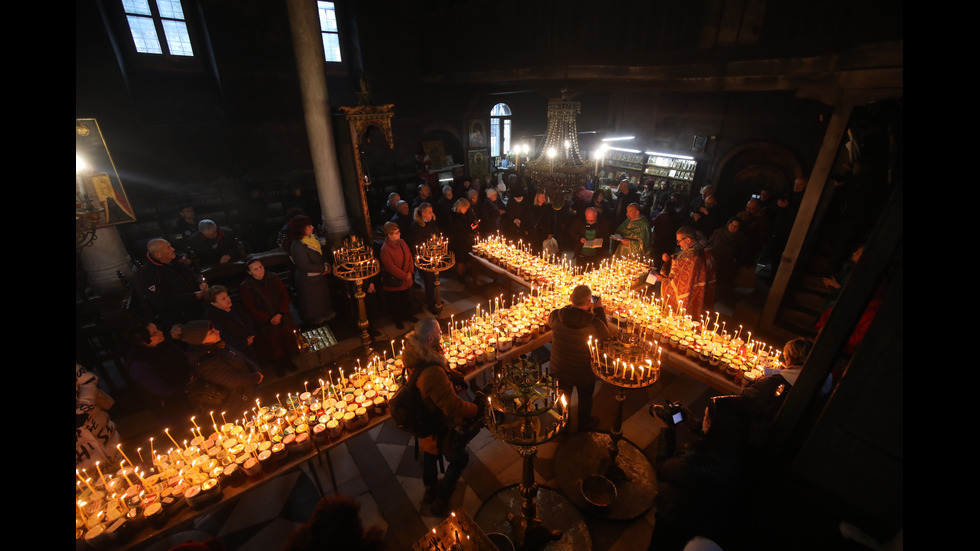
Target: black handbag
205, 394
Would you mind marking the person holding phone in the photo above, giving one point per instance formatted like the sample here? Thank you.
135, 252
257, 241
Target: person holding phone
570, 358
700, 483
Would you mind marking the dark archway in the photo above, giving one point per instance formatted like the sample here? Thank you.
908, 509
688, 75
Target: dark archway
752, 167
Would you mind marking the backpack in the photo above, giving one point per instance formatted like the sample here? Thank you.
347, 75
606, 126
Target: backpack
409, 411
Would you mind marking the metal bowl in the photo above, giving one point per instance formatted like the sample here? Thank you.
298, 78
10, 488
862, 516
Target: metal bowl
599, 491
501, 541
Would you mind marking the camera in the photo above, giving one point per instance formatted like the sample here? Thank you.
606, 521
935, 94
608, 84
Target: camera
671, 412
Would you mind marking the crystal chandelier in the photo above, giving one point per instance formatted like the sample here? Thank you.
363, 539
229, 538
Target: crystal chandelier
559, 169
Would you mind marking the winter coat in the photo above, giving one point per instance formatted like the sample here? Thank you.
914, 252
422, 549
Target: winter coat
436, 389
171, 290
571, 327
398, 265
235, 327
263, 300
312, 287
462, 236
421, 231
227, 367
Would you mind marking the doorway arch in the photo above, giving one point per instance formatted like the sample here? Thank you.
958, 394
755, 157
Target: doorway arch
752, 167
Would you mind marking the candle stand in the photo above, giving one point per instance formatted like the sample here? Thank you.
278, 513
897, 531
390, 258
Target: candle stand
601, 472
525, 409
434, 256
355, 263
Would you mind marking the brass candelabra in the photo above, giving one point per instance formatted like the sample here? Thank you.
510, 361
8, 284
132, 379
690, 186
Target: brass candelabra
355, 262
625, 361
434, 256
525, 408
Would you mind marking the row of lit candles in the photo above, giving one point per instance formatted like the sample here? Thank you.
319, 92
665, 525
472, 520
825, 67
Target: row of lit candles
612, 281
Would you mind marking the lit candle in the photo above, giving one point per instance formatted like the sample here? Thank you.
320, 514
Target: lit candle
86, 481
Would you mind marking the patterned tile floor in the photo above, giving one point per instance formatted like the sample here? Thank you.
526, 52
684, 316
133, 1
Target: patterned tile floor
379, 469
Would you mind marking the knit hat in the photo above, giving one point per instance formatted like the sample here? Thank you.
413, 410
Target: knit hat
194, 332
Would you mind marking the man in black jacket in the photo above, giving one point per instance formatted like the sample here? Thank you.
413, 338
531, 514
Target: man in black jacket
571, 360
170, 287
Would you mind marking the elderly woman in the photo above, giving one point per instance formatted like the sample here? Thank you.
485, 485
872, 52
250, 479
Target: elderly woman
423, 228
444, 206
397, 275
266, 301
463, 236
491, 211
236, 328
312, 269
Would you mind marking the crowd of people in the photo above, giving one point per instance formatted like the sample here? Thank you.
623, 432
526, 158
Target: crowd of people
696, 258
206, 347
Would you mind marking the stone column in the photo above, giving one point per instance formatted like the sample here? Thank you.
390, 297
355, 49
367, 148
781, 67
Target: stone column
103, 259
308, 46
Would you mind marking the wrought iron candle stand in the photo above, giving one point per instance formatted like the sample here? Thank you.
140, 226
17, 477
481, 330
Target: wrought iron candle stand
626, 362
598, 471
354, 263
525, 409
434, 256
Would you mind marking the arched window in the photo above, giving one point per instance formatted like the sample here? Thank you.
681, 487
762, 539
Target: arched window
499, 130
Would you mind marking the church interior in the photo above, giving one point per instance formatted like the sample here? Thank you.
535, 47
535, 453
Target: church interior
243, 110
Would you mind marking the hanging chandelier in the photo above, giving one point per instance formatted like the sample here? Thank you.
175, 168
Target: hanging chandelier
559, 169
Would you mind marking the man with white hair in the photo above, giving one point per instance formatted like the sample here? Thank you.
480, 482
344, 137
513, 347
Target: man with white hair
170, 287
213, 245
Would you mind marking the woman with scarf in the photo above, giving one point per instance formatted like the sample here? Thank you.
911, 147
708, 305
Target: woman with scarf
312, 269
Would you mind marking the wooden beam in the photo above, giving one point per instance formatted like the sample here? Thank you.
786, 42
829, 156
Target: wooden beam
819, 180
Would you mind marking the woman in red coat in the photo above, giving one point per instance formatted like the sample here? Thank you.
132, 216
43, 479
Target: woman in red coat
397, 275
267, 302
